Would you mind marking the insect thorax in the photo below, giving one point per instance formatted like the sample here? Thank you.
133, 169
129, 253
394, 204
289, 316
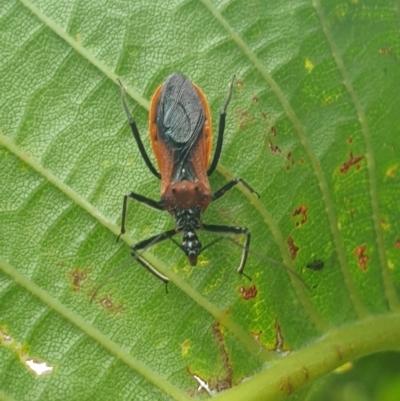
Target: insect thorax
186, 197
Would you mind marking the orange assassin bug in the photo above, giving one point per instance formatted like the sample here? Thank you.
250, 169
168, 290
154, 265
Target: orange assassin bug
181, 139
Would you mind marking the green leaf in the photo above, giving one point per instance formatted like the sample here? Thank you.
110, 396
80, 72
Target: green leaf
313, 126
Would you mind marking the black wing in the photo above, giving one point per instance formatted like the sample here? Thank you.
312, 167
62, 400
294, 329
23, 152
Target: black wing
180, 121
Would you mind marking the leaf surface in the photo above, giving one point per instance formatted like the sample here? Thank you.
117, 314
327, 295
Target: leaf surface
313, 126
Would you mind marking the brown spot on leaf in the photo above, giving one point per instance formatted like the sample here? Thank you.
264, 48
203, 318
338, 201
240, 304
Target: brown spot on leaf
302, 211
272, 130
301, 160
240, 84
353, 160
349, 140
361, 257
279, 340
293, 249
77, 277
107, 303
219, 337
226, 381
397, 243
289, 157
245, 118
273, 148
216, 383
248, 293
264, 116
290, 387
340, 353
255, 100
286, 385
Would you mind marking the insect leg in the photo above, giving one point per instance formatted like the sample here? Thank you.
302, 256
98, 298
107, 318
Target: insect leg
150, 242
221, 129
143, 245
140, 198
135, 133
236, 231
222, 191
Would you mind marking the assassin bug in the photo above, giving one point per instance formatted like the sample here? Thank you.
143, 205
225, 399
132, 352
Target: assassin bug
181, 139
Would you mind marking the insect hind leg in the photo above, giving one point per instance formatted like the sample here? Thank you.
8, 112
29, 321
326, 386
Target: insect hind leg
147, 243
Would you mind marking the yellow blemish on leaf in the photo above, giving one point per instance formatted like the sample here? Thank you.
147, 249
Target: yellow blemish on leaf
390, 264
328, 99
203, 262
344, 368
392, 171
213, 285
385, 225
308, 65
186, 270
185, 348
341, 11
146, 230
5, 338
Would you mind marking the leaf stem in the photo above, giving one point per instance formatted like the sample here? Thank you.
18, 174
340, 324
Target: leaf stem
283, 377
